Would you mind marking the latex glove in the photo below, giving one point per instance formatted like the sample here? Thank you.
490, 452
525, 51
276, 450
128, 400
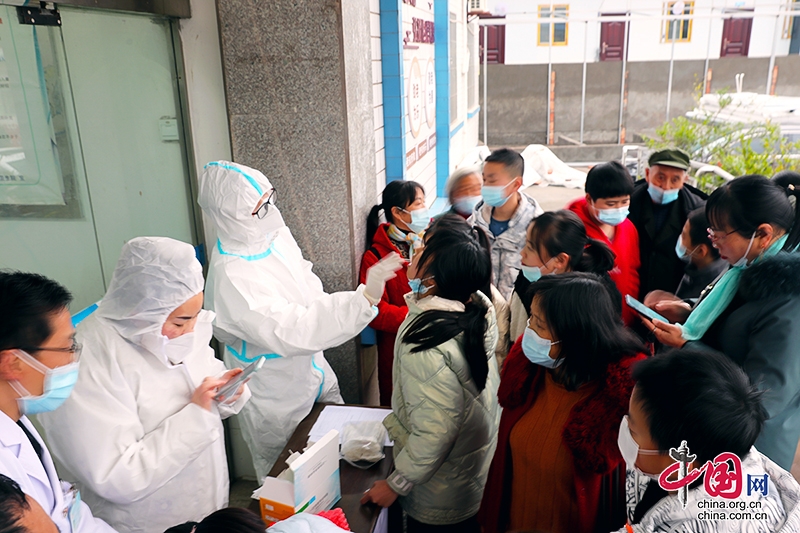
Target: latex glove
378, 274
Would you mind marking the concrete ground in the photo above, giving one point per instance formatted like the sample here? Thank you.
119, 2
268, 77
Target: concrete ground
241, 490
553, 198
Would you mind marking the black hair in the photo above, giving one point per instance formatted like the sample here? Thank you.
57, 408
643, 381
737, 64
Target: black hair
563, 232
398, 193
608, 180
452, 222
458, 258
785, 178
701, 397
698, 231
745, 203
13, 504
511, 159
580, 314
228, 520
27, 302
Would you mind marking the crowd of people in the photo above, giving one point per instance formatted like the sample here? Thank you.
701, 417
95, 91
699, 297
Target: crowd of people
529, 391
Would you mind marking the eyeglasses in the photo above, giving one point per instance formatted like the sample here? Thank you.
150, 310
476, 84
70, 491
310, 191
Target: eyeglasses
263, 209
716, 235
75, 350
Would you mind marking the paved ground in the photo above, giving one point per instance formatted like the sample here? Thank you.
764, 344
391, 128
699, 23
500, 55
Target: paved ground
553, 198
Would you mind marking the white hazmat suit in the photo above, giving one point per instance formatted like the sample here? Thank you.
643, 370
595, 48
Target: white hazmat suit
145, 456
269, 302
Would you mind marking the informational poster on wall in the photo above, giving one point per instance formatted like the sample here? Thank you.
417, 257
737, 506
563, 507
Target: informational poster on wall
29, 167
420, 78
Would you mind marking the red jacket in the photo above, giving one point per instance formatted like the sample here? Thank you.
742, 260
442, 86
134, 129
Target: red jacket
392, 310
590, 433
626, 247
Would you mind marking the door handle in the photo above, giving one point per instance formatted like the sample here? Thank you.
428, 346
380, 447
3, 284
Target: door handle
604, 47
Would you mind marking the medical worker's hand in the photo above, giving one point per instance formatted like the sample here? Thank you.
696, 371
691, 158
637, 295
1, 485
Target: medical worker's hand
380, 494
204, 394
227, 376
378, 274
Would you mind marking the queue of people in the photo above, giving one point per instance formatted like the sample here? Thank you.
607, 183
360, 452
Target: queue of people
527, 394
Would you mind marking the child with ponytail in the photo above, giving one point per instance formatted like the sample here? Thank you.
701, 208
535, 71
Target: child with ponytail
445, 412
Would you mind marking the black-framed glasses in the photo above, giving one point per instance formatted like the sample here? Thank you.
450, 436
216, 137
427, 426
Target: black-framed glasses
263, 209
715, 235
75, 350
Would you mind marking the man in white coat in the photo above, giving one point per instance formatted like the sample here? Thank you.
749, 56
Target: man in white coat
269, 303
142, 431
38, 369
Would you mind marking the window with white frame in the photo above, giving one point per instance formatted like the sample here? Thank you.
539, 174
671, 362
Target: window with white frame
557, 32
673, 29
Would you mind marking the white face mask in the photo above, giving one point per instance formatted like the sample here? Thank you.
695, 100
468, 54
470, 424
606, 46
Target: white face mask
170, 350
629, 448
743, 261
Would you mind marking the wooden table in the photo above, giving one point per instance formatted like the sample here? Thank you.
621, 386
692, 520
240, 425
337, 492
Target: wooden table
362, 518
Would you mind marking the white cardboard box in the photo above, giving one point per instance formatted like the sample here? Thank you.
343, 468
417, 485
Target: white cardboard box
313, 486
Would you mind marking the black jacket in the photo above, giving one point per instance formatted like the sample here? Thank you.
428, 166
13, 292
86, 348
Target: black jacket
760, 331
661, 268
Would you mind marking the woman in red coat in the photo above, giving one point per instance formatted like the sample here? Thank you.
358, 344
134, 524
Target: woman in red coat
564, 389
403, 206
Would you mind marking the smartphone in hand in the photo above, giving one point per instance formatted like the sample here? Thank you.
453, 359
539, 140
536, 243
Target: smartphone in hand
643, 310
228, 390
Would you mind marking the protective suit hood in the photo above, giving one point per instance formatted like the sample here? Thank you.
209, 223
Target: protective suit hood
228, 195
154, 276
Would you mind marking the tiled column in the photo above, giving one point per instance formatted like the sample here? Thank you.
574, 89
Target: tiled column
299, 95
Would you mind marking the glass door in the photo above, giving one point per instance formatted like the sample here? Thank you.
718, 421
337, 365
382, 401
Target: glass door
92, 151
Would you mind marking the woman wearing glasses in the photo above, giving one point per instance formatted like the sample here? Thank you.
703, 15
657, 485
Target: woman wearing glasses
751, 312
270, 303
142, 431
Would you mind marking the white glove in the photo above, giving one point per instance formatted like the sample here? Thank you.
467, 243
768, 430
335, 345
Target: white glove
378, 274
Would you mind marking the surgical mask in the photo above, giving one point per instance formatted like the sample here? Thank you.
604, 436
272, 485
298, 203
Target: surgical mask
58, 385
495, 195
533, 274
682, 252
743, 261
614, 217
467, 204
272, 222
662, 196
420, 218
537, 349
629, 448
172, 350
417, 287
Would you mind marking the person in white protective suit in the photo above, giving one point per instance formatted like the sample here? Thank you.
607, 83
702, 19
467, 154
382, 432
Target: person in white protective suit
269, 303
142, 432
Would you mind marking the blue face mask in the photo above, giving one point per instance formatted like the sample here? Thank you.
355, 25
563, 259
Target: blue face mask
466, 205
661, 196
417, 287
533, 274
495, 195
614, 217
420, 218
58, 385
537, 349
682, 252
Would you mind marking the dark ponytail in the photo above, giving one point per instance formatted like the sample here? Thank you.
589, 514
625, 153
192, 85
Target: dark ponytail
745, 203
597, 258
563, 231
459, 260
398, 193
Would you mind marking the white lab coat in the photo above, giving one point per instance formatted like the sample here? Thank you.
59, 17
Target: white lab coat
269, 302
18, 461
146, 457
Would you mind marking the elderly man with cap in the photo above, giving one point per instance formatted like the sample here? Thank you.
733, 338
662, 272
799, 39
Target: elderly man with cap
659, 207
